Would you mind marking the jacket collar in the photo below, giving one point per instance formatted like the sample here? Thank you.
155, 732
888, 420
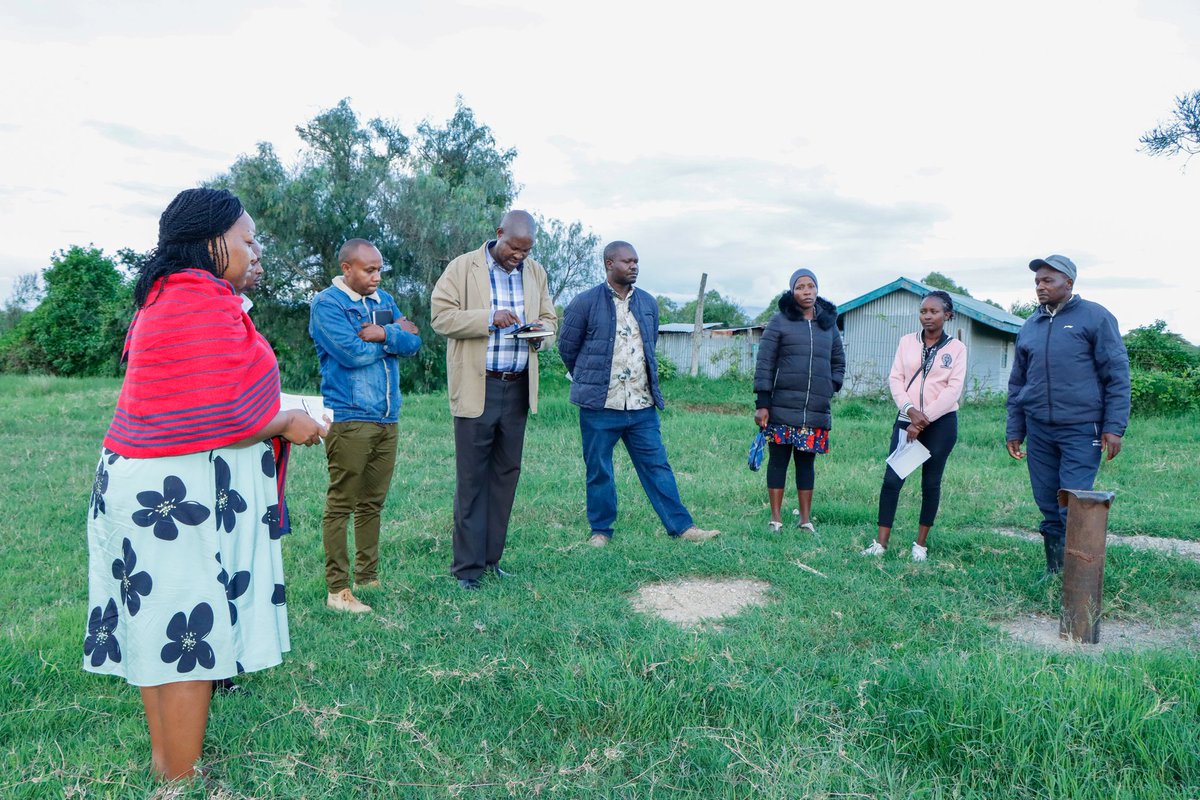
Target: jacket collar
340, 283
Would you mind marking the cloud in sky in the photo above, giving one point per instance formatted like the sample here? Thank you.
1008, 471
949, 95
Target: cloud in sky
867, 140
141, 140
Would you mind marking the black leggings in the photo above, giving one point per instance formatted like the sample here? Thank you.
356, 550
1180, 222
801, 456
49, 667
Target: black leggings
777, 464
939, 439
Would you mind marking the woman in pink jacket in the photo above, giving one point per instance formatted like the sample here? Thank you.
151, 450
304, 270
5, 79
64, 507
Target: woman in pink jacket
926, 382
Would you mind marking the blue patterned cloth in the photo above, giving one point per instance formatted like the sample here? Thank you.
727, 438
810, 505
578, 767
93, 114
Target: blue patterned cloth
185, 578
508, 291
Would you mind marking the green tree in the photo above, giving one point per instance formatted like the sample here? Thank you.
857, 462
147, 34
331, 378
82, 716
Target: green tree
939, 281
1022, 310
26, 294
716, 309
570, 255
1180, 134
765, 315
78, 328
668, 309
422, 201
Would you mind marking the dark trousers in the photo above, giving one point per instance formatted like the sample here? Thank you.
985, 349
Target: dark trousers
939, 439
778, 456
487, 460
361, 457
1060, 457
639, 430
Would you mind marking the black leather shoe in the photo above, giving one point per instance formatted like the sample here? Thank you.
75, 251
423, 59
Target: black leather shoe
470, 584
498, 573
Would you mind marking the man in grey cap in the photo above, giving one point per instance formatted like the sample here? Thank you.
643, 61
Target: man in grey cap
1068, 395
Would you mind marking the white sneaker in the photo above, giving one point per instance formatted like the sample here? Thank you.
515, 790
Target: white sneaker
919, 553
774, 527
345, 601
876, 549
807, 526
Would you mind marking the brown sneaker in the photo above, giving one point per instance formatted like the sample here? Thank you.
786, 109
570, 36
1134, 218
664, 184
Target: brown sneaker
344, 601
694, 534
598, 540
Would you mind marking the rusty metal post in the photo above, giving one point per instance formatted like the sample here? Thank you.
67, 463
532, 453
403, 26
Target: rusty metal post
1083, 563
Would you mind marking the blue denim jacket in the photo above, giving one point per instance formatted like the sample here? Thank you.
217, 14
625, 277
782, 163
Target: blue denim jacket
359, 380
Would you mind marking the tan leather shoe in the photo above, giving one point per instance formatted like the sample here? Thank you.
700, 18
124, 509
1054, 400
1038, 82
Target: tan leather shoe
344, 601
694, 534
598, 540
371, 584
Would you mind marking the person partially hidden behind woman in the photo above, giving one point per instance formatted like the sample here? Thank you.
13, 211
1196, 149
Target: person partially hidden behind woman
800, 366
185, 576
927, 382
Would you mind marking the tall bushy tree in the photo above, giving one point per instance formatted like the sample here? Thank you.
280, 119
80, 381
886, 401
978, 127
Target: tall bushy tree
716, 309
570, 255
78, 328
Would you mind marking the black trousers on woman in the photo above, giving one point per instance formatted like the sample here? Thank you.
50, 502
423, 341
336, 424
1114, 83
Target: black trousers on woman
939, 439
778, 456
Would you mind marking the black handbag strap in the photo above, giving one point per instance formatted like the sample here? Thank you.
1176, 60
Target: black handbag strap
927, 362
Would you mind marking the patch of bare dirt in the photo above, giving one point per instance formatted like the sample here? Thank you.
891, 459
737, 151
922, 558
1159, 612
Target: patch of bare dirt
1041, 631
695, 601
1161, 544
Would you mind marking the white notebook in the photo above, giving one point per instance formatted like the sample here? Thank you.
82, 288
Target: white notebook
908, 455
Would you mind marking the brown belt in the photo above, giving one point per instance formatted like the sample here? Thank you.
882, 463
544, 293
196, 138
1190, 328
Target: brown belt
507, 376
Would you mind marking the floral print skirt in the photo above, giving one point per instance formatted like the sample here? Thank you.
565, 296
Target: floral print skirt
810, 440
185, 576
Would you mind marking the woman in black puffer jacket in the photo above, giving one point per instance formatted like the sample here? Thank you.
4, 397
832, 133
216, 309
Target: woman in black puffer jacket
801, 364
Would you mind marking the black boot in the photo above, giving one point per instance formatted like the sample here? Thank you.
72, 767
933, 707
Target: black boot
1054, 554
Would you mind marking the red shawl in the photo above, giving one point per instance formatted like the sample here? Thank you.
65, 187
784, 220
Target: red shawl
199, 377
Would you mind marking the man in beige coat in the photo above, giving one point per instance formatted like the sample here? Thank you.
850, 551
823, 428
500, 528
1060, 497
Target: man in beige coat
478, 303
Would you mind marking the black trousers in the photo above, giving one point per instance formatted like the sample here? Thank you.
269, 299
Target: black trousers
939, 439
487, 460
778, 456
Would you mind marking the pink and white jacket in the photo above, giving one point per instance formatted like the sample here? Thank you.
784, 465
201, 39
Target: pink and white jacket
936, 393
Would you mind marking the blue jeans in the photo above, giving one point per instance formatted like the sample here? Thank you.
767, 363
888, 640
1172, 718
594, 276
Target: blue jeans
639, 430
1060, 457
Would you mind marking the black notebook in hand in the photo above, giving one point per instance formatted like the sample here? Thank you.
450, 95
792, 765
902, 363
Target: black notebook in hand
382, 317
533, 330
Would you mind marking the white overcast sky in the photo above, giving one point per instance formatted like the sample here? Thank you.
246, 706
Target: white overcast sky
864, 140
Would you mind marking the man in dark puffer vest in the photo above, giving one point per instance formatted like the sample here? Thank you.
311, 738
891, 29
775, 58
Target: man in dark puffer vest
607, 343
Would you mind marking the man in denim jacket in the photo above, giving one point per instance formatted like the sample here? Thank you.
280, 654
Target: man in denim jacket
607, 343
360, 335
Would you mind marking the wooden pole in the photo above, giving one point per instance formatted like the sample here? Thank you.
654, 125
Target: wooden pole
699, 329
1083, 563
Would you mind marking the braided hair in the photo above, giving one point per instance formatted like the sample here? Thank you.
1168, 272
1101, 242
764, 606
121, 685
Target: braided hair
190, 237
947, 303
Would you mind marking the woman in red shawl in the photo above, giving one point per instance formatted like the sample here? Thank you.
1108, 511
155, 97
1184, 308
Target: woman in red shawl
185, 579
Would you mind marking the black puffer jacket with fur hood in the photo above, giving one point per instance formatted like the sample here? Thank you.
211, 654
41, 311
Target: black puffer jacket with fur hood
801, 364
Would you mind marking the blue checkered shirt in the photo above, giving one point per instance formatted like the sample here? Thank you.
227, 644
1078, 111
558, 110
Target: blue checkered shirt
508, 291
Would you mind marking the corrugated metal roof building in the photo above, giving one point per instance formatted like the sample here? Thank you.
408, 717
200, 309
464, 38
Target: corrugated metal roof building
873, 323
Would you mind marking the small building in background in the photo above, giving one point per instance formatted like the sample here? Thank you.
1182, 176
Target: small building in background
873, 323
722, 350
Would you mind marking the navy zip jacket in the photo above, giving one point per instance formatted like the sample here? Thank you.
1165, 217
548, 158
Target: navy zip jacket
1069, 368
586, 338
801, 364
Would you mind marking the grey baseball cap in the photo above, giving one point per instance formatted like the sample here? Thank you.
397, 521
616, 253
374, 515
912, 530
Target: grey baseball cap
1061, 263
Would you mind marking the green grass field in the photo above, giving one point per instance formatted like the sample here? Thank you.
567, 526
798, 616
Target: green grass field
883, 678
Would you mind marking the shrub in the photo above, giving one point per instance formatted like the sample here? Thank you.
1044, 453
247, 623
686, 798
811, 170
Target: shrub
667, 369
1158, 392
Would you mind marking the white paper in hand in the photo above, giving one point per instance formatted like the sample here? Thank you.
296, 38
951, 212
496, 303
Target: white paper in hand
908, 455
313, 405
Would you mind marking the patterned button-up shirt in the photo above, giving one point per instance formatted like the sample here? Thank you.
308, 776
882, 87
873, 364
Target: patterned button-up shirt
508, 291
628, 383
